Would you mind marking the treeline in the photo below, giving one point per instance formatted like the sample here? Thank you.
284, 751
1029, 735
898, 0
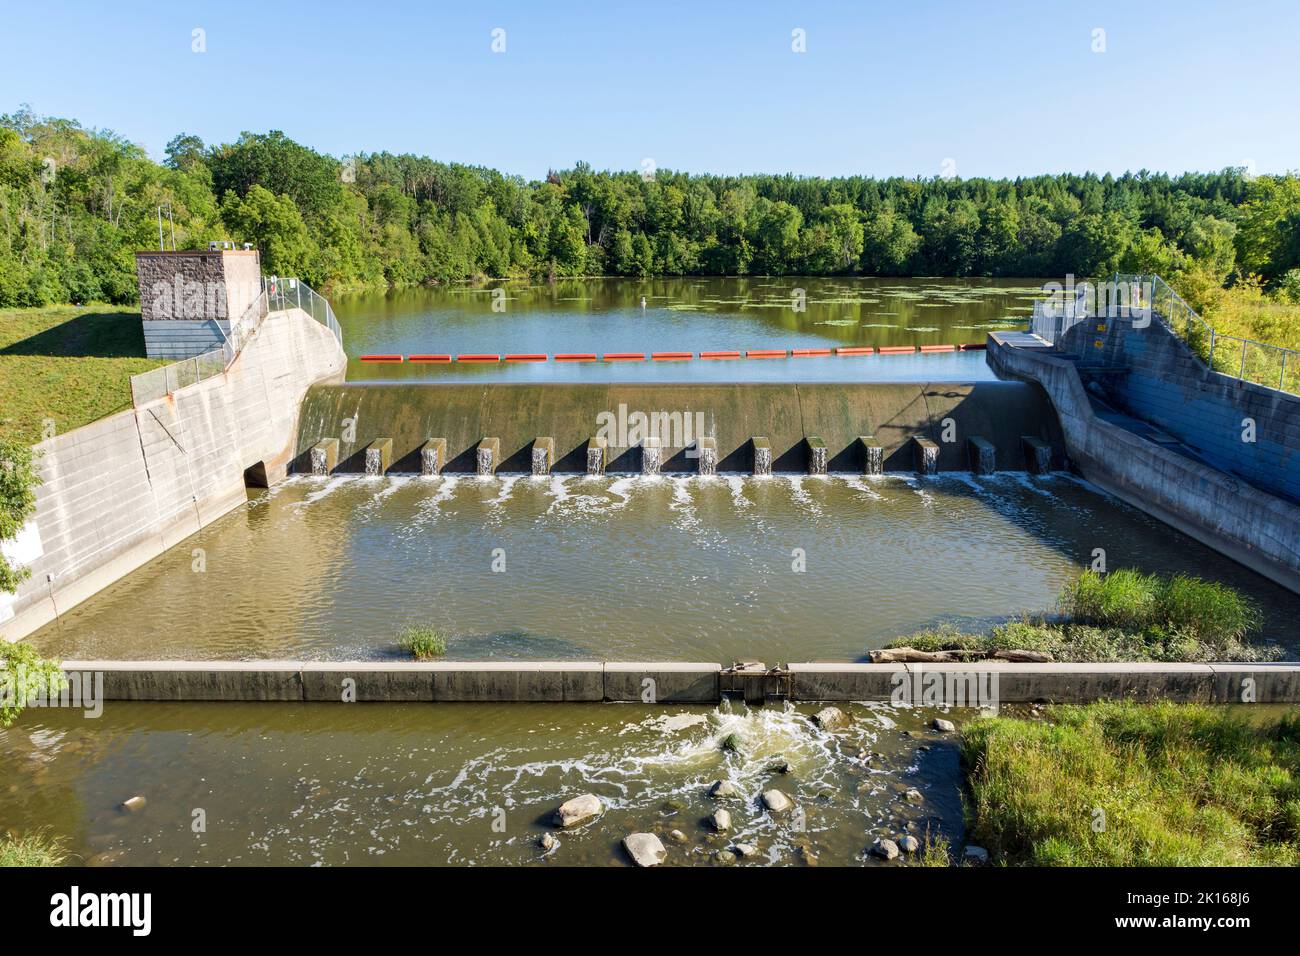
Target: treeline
76, 203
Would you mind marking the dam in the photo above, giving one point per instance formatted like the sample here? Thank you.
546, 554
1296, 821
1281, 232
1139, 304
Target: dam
855, 427
578, 535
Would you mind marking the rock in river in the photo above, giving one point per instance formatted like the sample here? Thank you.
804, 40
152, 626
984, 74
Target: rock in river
885, 849
720, 821
943, 726
776, 801
828, 718
579, 810
909, 844
976, 854
645, 849
724, 788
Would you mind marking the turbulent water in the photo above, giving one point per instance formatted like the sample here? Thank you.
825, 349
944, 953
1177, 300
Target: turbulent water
620, 567
468, 784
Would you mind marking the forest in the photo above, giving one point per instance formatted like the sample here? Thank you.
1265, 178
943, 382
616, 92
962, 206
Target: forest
76, 203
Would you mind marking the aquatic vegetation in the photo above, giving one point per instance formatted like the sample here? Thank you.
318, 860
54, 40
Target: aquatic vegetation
1123, 616
423, 642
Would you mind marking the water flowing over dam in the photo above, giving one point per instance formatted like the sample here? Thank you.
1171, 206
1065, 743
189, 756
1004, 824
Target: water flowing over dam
747, 428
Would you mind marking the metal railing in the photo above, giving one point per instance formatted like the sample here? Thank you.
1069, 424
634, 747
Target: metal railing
1055, 316
290, 293
278, 294
1244, 359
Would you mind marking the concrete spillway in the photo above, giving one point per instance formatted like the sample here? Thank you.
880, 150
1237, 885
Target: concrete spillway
786, 415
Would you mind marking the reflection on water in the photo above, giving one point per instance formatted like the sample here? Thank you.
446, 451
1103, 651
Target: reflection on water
689, 314
625, 568
468, 784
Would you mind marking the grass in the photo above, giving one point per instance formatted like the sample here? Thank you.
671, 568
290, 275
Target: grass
32, 850
1123, 616
935, 851
1124, 784
423, 643
66, 364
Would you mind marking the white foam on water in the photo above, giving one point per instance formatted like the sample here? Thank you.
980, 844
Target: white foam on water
508, 483
859, 485
391, 484
568, 502
914, 483
683, 504
331, 485
1032, 484
430, 506
799, 494
736, 484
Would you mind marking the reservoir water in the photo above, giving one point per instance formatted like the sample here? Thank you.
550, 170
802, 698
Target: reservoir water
684, 314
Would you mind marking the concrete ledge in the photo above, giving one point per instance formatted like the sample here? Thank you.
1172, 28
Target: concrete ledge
666, 683
196, 680
676, 682
845, 681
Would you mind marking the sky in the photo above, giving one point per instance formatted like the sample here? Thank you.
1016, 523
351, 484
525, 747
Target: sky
909, 87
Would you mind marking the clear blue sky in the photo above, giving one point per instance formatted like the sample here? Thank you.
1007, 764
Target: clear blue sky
1001, 89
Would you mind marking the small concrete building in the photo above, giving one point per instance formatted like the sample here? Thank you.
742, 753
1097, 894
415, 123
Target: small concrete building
188, 299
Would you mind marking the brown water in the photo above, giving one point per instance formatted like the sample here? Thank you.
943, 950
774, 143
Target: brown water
685, 314
466, 784
626, 568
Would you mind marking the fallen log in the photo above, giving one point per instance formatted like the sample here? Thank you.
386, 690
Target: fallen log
910, 655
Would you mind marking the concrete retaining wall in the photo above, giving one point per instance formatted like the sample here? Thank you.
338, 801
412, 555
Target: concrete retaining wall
1168, 385
1241, 521
122, 490
785, 413
677, 682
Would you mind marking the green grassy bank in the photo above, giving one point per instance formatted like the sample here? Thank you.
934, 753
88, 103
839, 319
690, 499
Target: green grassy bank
66, 365
1122, 784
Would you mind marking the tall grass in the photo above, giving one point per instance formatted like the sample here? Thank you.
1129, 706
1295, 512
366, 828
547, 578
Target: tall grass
1123, 784
1203, 611
423, 643
35, 849
1123, 616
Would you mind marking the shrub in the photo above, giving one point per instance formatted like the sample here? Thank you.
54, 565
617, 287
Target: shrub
423, 642
23, 675
18, 481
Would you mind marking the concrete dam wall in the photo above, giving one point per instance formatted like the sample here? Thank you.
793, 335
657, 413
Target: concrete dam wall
393, 424
120, 491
